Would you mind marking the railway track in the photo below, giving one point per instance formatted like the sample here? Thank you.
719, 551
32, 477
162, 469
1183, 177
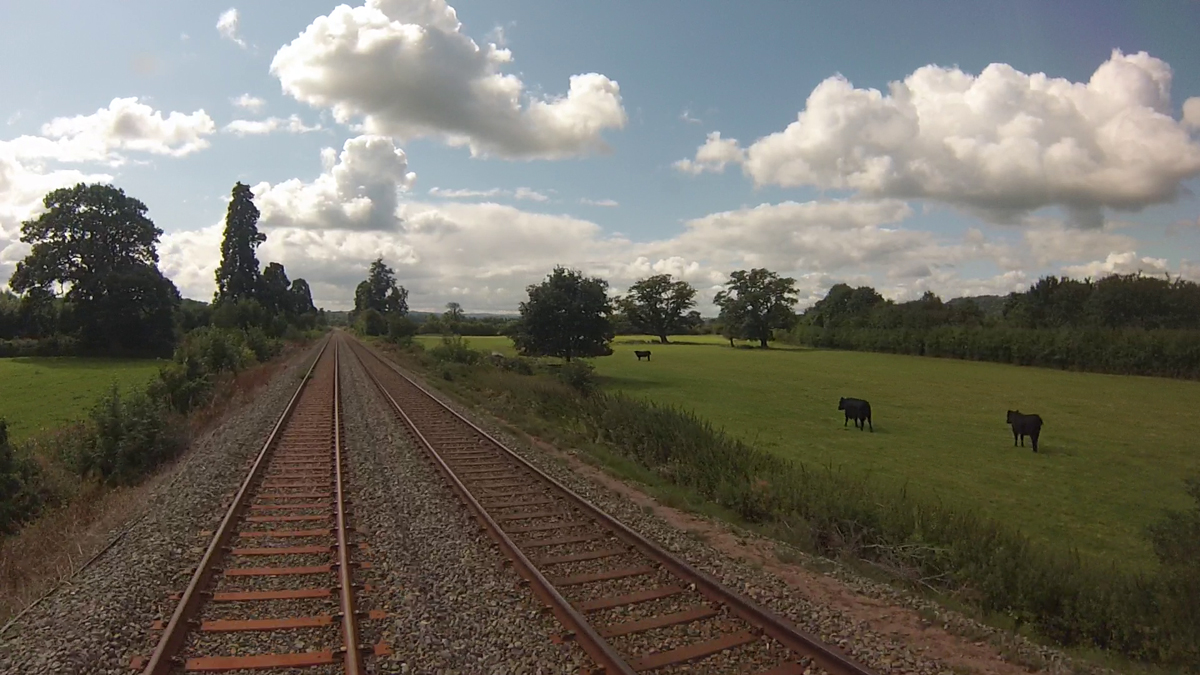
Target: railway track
631, 605
275, 588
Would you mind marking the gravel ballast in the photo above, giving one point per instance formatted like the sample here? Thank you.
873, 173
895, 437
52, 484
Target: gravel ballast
880, 652
96, 623
452, 604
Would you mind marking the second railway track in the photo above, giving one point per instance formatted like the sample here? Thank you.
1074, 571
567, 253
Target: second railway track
276, 588
631, 605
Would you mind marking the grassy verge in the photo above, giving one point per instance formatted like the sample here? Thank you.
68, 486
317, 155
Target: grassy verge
43, 393
75, 484
983, 562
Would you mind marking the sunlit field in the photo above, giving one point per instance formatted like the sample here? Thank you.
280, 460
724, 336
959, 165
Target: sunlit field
39, 393
1113, 451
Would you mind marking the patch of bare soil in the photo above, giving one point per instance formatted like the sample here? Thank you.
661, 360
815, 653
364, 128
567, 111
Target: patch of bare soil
902, 622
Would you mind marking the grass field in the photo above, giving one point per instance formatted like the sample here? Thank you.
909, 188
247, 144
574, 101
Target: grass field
1114, 449
38, 393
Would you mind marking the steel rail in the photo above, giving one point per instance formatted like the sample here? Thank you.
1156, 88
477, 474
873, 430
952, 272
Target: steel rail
587, 638
176, 631
827, 657
352, 658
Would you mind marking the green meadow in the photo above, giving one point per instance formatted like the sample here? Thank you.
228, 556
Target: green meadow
1113, 452
40, 393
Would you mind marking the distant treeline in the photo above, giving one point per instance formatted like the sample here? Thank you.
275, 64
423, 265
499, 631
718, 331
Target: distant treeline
1124, 324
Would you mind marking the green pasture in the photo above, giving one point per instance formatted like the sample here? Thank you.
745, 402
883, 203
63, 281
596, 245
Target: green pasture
1113, 452
39, 393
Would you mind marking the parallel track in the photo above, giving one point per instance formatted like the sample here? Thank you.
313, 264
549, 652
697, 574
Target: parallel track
288, 573
631, 605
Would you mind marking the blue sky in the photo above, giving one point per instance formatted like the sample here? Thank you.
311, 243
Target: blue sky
815, 202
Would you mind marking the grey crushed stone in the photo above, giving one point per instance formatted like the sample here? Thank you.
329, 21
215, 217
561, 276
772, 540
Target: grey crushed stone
452, 605
99, 621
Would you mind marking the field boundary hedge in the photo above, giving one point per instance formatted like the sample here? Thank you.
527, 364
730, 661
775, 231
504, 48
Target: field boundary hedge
1118, 351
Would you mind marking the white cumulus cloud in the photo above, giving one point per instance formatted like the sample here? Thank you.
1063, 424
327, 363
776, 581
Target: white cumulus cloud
406, 70
1126, 262
1191, 113
356, 191
292, 125
713, 155
609, 203
125, 124
247, 102
1002, 143
227, 26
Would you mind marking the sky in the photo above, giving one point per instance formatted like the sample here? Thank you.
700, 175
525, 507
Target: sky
963, 148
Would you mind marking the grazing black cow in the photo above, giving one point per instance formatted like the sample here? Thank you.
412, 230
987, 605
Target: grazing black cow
858, 410
1025, 425
639, 353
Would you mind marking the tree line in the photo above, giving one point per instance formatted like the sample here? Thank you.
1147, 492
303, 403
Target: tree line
1124, 324
91, 284
571, 315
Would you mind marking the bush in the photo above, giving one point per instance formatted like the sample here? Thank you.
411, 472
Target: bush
131, 435
371, 322
579, 375
401, 329
55, 345
265, 348
183, 385
20, 498
454, 349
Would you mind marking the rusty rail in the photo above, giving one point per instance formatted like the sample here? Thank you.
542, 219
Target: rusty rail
285, 468
177, 629
352, 657
798, 642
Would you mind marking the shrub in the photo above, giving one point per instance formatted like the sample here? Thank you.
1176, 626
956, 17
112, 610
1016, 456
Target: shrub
401, 329
19, 478
454, 349
131, 435
371, 322
265, 348
579, 375
183, 385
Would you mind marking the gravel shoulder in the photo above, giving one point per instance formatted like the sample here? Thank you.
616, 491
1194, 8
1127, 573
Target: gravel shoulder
883, 627
452, 604
99, 620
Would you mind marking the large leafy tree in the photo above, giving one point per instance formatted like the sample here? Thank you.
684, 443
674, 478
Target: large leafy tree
380, 292
658, 305
567, 315
755, 302
97, 243
238, 275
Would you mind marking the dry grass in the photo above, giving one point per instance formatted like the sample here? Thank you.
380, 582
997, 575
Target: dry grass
54, 547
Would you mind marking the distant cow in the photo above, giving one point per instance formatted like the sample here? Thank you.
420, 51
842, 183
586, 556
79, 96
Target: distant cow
1025, 425
640, 353
858, 410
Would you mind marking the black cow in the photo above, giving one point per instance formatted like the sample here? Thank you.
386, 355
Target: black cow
640, 354
1025, 425
858, 410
